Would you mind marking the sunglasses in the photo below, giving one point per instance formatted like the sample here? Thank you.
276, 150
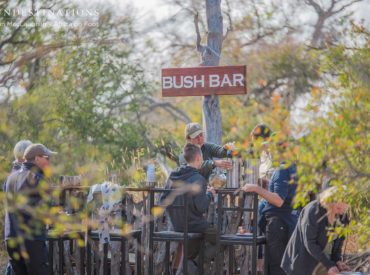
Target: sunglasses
199, 136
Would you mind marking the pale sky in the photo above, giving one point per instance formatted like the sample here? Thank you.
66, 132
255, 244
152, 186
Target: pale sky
159, 10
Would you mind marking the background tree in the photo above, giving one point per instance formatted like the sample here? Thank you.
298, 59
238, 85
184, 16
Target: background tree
86, 92
77, 89
337, 147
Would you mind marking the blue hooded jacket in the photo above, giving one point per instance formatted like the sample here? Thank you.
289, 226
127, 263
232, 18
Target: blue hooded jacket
198, 202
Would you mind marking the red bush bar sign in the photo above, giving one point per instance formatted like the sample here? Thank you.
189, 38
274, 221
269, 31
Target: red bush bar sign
200, 81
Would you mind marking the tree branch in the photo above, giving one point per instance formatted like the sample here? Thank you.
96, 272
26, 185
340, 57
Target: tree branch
333, 3
261, 36
257, 14
228, 14
27, 57
43, 50
167, 106
152, 147
11, 37
323, 16
345, 6
148, 142
316, 6
182, 46
355, 170
200, 48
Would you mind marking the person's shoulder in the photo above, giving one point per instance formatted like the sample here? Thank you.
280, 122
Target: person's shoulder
16, 166
197, 177
287, 166
292, 169
312, 208
32, 177
312, 204
196, 173
286, 169
18, 179
12, 177
211, 146
13, 174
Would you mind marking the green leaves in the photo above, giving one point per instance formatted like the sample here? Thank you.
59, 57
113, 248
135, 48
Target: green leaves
337, 148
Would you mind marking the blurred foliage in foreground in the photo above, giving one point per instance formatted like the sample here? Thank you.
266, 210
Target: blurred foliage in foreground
84, 95
337, 147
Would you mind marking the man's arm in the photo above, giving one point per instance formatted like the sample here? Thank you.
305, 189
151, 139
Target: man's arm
280, 185
206, 167
337, 249
216, 151
270, 197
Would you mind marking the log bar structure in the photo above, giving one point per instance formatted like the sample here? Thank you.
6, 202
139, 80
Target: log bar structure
201, 81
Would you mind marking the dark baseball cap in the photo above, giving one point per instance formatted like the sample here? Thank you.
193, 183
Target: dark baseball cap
261, 131
192, 130
37, 150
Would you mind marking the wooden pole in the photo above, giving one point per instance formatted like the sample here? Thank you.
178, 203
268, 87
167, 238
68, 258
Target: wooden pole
210, 54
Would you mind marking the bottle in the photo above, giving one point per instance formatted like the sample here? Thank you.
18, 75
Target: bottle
150, 174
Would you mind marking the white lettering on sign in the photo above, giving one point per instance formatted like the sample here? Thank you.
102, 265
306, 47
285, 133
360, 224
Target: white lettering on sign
200, 81
203, 81
238, 78
194, 81
167, 82
214, 80
180, 85
226, 80
188, 81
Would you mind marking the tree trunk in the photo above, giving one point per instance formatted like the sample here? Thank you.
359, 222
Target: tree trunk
317, 36
211, 57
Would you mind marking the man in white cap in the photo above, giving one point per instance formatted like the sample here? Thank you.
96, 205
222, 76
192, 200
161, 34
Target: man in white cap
194, 134
24, 231
18, 152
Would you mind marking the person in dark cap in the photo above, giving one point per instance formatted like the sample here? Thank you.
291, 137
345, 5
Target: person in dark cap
194, 134
24, 231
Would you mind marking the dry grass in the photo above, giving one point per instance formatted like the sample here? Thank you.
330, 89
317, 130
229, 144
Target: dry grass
351, 246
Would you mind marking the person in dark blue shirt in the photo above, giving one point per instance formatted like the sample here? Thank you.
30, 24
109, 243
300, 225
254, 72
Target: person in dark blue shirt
279, 212
283, 183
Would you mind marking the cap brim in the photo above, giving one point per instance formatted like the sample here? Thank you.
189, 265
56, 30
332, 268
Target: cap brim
51, 153
196, 133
